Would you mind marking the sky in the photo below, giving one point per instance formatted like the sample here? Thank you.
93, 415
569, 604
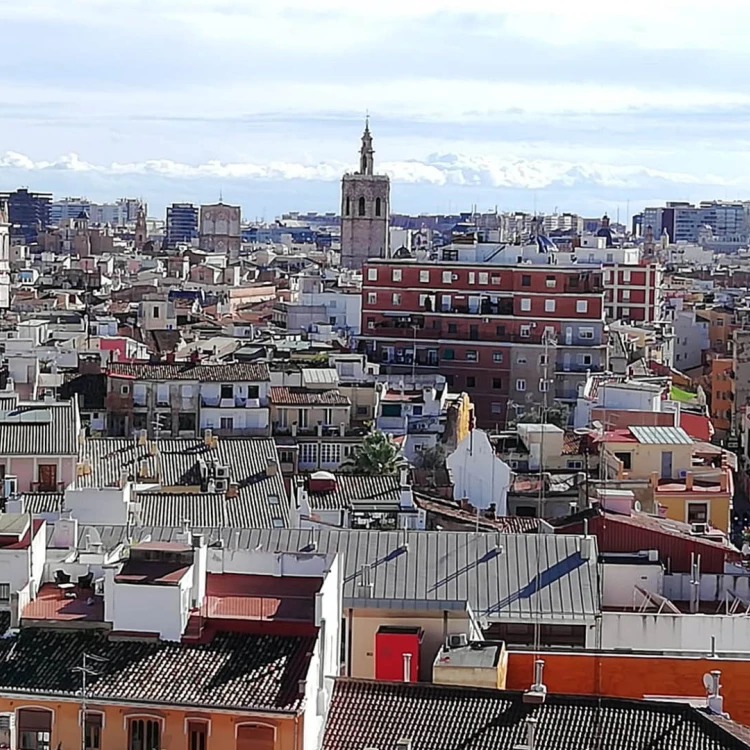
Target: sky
533, 105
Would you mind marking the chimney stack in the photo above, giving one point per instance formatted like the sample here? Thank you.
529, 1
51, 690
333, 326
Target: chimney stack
407, 667
272, 466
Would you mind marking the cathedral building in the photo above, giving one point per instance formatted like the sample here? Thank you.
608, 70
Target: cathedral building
365, 210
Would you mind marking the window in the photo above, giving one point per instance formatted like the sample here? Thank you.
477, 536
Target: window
424, 277
525, 331
92, 731
497, 383
308, 453
626, 276
497, 407
520, 384
124, 389
452, 328
372, 274
156, 311
575, 464
348, 209
186, 422
47, 477
551, 281
499, 330
627, 460
525, 304
543, 385
361, 210
144, 734
542, 360
417, 411
162, 394
362, 411
549, 305
227, 390
396, 299
253, 391
582, 306
525, 280
447, 277
521, 359
484, 277
449, 354
391, 410
719, 322
378, 206
255, 737
227, 423
472, 355
371, 323
34, 728
697, 512
197, 733
471, 381
625, 294
585, 333
4, 593
472, 277
495, 279
625, 312
497, 357
396, 274
585, 359
330, 453
186, 391
372, 298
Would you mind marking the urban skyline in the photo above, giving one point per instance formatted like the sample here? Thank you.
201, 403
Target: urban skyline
504, 105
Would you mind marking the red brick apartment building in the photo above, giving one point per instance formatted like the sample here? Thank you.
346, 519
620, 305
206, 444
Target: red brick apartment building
483, 325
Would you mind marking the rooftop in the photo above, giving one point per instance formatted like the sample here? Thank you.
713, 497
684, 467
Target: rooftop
218, 373
283, 396
366, 714
51, 605
39, 429
233, 671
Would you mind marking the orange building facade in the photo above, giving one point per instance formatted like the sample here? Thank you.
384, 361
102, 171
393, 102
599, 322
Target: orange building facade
43, 724
635, 676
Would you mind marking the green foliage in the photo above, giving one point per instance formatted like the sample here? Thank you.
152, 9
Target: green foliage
376, 454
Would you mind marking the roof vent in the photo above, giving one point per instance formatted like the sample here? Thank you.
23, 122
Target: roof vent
457, 640
530, 744
537, 693
714, 699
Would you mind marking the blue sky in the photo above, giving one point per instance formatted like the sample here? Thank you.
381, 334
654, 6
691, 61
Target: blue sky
488, 102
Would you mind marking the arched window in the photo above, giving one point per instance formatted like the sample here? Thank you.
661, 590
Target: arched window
348, 205
377, 206
362, 206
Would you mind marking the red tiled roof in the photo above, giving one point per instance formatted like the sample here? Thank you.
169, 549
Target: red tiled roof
283, 396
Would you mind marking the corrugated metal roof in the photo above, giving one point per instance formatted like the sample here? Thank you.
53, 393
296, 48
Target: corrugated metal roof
508, 576
319, 376
356, 488
661, 435
39, 429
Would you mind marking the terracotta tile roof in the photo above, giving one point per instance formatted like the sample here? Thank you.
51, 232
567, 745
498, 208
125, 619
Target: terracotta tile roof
50, 604
283, 396
234, 671
373, 714
39, 429
220, 373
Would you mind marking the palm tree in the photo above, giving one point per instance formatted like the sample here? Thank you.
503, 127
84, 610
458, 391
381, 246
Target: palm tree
376, 454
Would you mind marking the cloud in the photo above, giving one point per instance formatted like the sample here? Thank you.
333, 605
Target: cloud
446, 169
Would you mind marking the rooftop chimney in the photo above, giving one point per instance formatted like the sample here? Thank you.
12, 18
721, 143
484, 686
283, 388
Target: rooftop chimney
407, 667
272, 466
714, 699
537, 693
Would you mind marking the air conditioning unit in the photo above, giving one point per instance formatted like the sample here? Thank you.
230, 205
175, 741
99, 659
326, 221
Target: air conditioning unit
222, 485
457, 640
683, 473
222, 472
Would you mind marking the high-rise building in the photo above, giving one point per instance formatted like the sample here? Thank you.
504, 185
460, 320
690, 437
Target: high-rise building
28, 214
118, 214
511, 328
182, 223
365, 210
220, 229
729, 220
4, 256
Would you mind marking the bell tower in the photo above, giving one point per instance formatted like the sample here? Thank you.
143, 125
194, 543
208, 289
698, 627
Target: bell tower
365, 209
141, 231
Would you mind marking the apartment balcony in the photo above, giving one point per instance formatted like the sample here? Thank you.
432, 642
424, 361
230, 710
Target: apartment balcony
584, 284
575, 367
118, 403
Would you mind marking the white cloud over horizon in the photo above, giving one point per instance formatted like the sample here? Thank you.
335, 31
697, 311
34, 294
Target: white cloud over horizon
575, 102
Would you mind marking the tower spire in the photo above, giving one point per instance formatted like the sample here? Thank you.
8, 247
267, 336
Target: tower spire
367, 153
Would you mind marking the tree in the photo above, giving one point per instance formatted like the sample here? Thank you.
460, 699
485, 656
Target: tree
376, 454
433, 458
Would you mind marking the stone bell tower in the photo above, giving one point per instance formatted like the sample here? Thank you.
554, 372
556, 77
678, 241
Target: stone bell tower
365, 210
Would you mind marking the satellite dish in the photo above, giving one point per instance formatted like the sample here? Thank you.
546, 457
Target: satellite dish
708, 682
637, 506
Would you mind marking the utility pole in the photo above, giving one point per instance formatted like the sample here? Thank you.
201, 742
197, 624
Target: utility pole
86, 671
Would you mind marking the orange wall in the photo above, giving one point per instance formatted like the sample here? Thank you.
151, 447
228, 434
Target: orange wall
626, 676
66, 729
